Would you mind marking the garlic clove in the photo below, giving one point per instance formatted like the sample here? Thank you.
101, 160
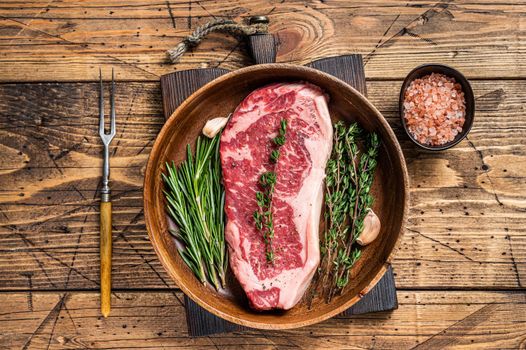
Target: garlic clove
371, 228
214, 126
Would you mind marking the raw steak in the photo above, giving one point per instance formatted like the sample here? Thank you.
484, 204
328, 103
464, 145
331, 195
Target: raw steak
245, 149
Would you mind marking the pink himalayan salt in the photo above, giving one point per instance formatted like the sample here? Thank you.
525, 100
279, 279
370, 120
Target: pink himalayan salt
434, 109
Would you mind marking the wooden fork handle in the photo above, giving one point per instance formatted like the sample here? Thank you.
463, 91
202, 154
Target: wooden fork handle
105, 258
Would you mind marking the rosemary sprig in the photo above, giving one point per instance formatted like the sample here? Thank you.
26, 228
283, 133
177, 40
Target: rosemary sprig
263, 219
195, 199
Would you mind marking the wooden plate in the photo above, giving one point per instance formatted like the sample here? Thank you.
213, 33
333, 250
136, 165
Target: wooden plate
219, 98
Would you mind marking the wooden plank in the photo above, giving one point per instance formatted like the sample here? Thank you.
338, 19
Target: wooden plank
154, 320
70, 40
48, 213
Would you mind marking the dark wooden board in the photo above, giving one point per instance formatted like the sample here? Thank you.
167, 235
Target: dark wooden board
381, 298
177, 86
348, 68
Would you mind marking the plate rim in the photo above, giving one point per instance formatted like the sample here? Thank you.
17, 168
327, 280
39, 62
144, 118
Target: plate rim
155, 237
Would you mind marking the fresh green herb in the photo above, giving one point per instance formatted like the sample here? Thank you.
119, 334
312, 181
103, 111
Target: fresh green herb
338, 182
347, 262
263, 219
267, 179
349, 175
195, 199
280, 139
263, 215
274, 156
362, 175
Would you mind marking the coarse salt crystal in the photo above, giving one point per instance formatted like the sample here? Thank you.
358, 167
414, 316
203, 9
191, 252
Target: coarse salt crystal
434, 109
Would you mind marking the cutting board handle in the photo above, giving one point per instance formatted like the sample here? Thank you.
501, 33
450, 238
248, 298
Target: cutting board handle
262, 47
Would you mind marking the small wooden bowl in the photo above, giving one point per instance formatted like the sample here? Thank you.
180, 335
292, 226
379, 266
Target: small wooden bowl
219, 98
427, 69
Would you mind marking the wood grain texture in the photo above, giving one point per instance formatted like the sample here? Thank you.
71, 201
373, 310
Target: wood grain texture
262, 48
155, 320
69, 40
177, 87
381, 298
105, 258
466, 225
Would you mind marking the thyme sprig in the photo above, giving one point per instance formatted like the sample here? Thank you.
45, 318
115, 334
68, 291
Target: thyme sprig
263, 215
263, 218
337, 182
349, 175
361, 174
195, 199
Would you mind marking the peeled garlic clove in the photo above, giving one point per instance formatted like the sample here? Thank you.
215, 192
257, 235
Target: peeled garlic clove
214, 126
371, 228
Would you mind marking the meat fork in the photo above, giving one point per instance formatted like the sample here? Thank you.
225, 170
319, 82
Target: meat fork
105, 200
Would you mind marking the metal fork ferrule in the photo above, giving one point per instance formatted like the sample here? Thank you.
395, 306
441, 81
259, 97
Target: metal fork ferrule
105, 197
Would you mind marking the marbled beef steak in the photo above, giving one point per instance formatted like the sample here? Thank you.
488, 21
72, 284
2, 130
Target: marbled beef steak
245, 149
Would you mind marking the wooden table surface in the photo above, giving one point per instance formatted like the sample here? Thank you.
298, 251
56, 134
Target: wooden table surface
460, 270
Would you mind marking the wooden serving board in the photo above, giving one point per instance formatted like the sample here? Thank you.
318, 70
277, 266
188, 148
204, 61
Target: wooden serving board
177, 86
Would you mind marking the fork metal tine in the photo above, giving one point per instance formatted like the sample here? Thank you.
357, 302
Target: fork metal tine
112, 117
101, 106
107, 137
